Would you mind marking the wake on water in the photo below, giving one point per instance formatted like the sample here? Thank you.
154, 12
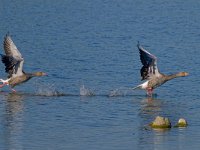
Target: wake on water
48, 89
122, 91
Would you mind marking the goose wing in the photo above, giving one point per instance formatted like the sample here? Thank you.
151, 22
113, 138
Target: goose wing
12, 59
149, 62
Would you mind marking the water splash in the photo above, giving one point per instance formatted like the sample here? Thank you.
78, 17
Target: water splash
85, 91
119, 92
115, 92
48, 90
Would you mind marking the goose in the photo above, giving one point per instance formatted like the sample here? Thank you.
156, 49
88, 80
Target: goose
151, 74
13, 62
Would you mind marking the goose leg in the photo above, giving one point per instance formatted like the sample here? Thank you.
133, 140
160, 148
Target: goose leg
150, 92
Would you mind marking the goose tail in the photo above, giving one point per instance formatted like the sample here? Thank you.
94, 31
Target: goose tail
142, 86
137, 87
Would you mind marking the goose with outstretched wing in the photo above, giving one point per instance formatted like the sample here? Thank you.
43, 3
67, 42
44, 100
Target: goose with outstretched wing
13, 62
151, 74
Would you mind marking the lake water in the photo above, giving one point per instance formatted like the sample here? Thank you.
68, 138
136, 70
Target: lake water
88, 49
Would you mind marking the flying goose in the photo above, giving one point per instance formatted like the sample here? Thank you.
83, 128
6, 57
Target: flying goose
151, 74
13, 62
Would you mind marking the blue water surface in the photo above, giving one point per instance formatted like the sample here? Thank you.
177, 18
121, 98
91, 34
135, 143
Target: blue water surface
88, 49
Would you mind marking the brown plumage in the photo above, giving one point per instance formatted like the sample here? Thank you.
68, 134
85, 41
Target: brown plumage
23, 78
13, 62
150, 72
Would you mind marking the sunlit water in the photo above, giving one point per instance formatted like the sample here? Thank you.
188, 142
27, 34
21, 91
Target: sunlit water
88, 49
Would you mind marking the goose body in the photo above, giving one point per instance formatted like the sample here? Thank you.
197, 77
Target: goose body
13, 62
151, 74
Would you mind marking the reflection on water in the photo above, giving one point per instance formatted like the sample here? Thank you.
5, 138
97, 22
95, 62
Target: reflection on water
150, 107
13, 121
157, 138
